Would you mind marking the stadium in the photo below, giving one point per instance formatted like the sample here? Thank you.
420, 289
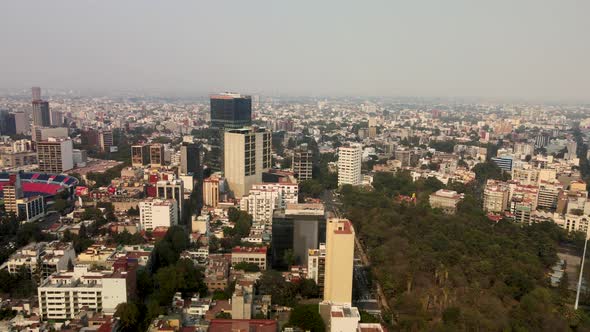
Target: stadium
46, 185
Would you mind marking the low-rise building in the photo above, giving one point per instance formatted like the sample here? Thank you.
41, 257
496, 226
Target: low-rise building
63, 295
49, 257
97, 254
254, 255
445, 200
217, 273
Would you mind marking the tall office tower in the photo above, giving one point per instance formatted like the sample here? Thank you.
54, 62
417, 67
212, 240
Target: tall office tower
298, 227
157, 212
13, 191
7, 123
43, 133
247, 154
542, 140
156, 155
211, 190
190, 161
57, 118
41, 116
339, 261
90, 137
21, 123
303, 163
349, 165
105, 140
572, 148
140, 155
36, 93
55, 155
228, 111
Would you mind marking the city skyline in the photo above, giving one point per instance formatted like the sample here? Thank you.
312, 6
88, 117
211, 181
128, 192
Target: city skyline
527, 50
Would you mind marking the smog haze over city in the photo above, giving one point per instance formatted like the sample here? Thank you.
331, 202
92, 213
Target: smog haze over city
526, 49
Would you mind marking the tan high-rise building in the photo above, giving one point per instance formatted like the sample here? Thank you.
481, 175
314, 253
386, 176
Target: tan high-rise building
12, 192
140, 155
247, 154
339, 261
211, 191
105, 140
55, 155
156, 155
495, 196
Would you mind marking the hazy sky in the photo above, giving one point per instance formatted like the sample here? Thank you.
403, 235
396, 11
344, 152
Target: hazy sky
493, 48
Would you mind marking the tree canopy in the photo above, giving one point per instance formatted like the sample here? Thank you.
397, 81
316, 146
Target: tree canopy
460, 272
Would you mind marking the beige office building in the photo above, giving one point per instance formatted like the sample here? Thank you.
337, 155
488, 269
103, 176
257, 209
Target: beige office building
247, 154
211, 191
339, 261
495, 196
157, 155
55, 155
140, 155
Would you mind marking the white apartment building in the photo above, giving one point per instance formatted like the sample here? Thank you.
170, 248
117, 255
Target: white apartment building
261, 203
264, 198
63, 295
349, 165
316, 264
157, 212
49, 257
573, 223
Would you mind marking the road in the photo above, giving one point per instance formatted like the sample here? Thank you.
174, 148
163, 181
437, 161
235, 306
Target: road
365, 290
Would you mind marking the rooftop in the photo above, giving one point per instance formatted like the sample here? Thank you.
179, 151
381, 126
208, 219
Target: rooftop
253, 250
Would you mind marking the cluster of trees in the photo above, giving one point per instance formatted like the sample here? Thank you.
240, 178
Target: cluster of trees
86, 235
307, 318
232, 236
127, 238
7, 313
322, 178
104, 179
285, 293
14, 234
247, 267
19, 285
461, 272
443, 146
157, 284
